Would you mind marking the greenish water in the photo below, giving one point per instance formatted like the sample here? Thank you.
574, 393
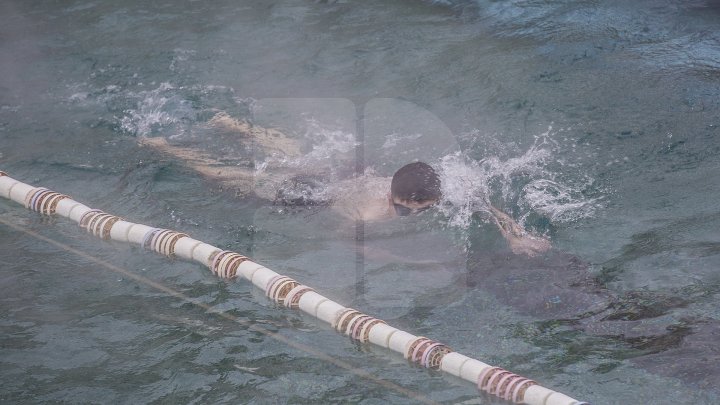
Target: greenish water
595, 123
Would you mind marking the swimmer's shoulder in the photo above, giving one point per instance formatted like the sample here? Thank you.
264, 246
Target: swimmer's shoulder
363, 198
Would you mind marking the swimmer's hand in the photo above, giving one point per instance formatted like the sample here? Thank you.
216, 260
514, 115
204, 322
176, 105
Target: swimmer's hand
520, 241
528, 244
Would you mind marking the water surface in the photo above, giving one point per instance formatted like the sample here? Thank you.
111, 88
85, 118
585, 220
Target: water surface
595, 123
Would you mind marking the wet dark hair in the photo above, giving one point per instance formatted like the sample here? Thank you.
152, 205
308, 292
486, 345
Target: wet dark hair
416, 182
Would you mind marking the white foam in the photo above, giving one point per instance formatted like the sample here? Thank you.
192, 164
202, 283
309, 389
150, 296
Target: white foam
392, 140
328, 147
331, 151
525, 182
559, 202
157, 108
164, 109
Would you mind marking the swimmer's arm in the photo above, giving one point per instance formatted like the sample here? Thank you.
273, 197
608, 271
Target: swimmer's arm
271, 141
520, 241
203, 163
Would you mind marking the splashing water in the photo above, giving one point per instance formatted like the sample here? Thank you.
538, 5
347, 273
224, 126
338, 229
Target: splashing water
310, 176
522, 185
331, 151
525, 185
157, 108
331, 147
164, 109
559, 202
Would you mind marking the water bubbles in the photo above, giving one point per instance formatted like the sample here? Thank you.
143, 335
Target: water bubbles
157, 108
330, 150
558, 202
539, 180
393, 140
327, 143
464, 187
530, 183
165, 109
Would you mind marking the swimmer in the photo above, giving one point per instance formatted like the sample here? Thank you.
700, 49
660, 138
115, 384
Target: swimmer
413, 189
555, 289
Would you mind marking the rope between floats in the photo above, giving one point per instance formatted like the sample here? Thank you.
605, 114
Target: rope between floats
286, 292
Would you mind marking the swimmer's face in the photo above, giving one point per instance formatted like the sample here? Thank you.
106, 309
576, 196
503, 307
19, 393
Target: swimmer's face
408, 207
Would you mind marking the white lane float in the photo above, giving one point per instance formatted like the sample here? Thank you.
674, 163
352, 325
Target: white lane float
289, 293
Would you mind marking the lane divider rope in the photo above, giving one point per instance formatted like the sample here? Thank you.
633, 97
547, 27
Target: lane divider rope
288, 293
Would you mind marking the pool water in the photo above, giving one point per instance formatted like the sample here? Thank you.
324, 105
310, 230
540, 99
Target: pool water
595, 124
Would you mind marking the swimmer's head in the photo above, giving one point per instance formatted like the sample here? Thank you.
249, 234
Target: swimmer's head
414, 188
